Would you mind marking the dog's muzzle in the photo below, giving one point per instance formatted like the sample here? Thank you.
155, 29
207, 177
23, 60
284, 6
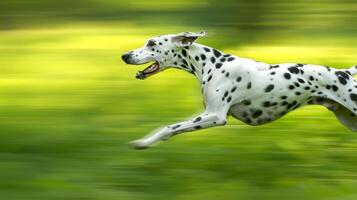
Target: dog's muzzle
150, 70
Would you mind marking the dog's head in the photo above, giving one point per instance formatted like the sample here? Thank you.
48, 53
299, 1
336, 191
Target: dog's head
162, 51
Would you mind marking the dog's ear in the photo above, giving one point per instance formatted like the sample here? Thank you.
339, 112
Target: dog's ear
186, 38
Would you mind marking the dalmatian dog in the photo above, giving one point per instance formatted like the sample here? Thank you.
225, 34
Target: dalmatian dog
253, 92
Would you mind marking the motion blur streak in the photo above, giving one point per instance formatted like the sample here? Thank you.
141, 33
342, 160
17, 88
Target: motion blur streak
69, 105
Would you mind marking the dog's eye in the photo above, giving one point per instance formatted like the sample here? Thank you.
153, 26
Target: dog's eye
151, 43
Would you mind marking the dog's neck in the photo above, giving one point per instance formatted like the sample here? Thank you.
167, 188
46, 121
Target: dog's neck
196, 59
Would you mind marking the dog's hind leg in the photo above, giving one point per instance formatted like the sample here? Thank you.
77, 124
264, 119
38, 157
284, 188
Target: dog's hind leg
345, 116
205, 120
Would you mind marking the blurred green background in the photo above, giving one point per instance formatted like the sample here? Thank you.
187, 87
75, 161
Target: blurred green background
69, 105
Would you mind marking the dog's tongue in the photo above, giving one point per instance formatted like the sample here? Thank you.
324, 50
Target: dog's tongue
147, 71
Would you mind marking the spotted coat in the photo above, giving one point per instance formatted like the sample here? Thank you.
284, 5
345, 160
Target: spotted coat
253, 92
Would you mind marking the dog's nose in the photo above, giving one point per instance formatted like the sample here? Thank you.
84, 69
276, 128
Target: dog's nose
125, 57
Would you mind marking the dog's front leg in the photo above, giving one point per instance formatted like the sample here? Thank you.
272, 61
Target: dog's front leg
202, 121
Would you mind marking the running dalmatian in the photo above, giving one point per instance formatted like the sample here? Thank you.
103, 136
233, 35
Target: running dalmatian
253, 92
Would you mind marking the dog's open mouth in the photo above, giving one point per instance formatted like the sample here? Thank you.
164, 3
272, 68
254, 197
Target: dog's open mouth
152, 69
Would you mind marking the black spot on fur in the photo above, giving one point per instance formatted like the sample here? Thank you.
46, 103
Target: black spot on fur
234, 89
334, 88
226, 94
230, 59
203, 56
197, 58
206, 49
246, 102
218, 65
342, 77
249, 85
269, 88
257, 113
229, 99
239, 78
175, 127
342, 80
185, 62
217, 53
197, 119
354, 97
342, 74
266, 104
300, 65
209, 78
291, 105
184, 53
301, 80
293, 70
213, 60
287, 76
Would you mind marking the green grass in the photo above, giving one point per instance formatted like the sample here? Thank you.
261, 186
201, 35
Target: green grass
69, 106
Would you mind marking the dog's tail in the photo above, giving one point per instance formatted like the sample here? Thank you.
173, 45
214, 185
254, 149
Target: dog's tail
352, 70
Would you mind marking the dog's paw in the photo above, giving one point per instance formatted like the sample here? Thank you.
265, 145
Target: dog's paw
139, 144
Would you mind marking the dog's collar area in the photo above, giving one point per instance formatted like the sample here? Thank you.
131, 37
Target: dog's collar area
148, 71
